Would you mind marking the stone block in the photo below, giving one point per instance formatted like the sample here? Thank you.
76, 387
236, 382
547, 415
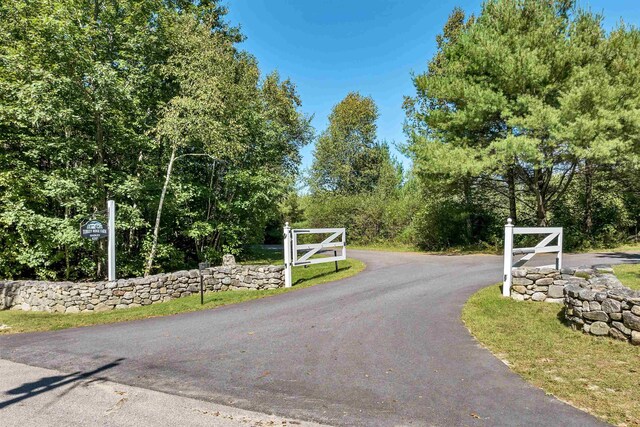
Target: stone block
555, 291
631, 321
572, 290
635, 337
615, 316
611, 306
599, 328
519, 289
72, 309
538, 296
102, 307
521, 281
636, 310
228, 260
616, 334
544, 282
587, 295
620, 326
596, 316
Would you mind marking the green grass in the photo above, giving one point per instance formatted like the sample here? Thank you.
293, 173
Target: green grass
28, 321
629, 274
597, 374
629, 247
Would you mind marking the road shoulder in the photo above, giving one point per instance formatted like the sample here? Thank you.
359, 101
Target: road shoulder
32, 396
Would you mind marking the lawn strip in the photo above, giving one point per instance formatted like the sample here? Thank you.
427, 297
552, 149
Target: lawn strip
29, 321
596, 374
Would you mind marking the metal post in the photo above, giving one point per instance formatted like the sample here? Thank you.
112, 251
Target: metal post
111, 250
287, 256
202, 266
508, 258
335, 253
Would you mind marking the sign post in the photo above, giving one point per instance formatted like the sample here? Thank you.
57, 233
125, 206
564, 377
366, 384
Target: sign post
202, 266
111, 246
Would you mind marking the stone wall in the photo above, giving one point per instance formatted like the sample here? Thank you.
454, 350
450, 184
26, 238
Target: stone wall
75, 297
595, 301
602, 306
547, 284
537, 284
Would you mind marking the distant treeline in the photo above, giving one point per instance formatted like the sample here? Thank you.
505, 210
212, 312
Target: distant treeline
530, 110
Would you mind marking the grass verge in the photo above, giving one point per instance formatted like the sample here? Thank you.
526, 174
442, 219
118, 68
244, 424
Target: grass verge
29, 321
596, 374
629, 274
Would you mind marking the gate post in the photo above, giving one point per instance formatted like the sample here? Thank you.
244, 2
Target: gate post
508, 258
287, 256
559, 254
111, 241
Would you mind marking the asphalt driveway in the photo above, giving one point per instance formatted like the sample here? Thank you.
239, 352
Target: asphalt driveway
385, 347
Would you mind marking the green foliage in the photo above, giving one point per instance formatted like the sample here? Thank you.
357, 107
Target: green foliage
94, 99
528, 110
347, 157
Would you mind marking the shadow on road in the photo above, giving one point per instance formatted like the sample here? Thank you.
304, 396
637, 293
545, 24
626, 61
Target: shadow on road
624, 257
43, 385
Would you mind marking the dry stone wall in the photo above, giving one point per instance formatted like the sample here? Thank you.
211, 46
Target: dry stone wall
75, 297
538, 284
600, 305
547, 284
595, 301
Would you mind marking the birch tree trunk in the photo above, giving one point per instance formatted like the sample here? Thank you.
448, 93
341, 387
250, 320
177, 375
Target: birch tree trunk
156, 228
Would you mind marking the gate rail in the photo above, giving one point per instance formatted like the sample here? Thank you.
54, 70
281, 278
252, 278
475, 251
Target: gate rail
292, 248
509, 251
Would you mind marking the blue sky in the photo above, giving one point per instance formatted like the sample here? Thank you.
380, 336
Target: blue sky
331, 47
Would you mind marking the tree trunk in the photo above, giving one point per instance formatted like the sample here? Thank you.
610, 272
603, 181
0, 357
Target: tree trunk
541, 208
156, 228
588, 198
511, 183
466, 188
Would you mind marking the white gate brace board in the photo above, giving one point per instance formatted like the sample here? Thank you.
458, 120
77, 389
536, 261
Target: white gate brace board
541, 247
292, 248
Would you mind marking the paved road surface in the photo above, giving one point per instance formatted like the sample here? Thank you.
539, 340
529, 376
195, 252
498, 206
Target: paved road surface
38, 397
386, 347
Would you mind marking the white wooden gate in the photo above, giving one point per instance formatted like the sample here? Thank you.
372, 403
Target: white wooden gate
293, 257
509, 251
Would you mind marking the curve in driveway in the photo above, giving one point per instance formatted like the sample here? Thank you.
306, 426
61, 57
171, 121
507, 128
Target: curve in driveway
385, 347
